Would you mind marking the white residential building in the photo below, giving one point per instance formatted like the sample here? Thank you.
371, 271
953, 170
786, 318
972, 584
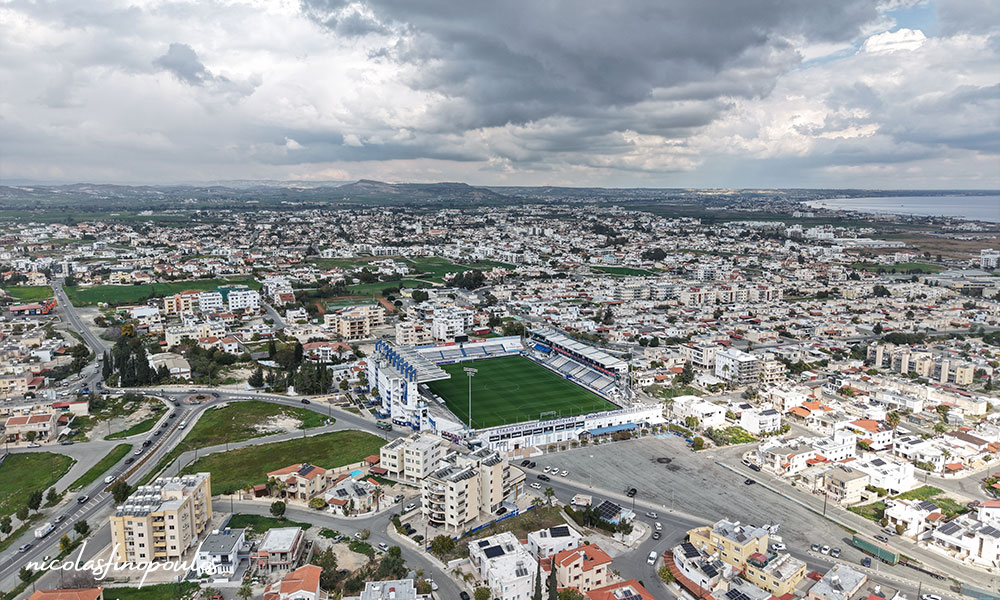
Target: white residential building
737, 367
708, 414
247, 300
840, 446
546, 542
504, 566
887, 473
413, 458
210, 302
218, 554
758, 421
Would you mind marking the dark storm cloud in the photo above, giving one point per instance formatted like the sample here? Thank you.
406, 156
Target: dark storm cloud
182, 61
520, 61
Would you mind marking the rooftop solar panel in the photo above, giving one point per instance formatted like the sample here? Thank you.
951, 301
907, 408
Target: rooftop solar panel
493, 552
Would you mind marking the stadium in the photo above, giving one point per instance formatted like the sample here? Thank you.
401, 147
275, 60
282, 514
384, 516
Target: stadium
542, 389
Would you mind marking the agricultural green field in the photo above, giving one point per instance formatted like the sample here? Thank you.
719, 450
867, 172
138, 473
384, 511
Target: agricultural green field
903, 268
512, 389
131, 294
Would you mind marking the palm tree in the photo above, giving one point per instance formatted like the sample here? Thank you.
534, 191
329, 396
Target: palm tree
245, 591
893, 420
377, 494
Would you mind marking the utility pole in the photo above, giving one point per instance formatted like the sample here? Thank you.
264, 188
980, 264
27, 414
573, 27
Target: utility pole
470, 372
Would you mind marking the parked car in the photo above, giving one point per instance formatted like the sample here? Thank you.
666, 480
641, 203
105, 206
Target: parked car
66, 443
835, 553
825, 549
866, 561
814, 547
525, 462
656, 535
778, 547
749, 482
754, 467
651, 559
501, 510
564, 473
651, 515
464, 596
658, 526
930, 597
544, 477
631, 492
383, 546
535, 485
409, 507
34, 445
882, 539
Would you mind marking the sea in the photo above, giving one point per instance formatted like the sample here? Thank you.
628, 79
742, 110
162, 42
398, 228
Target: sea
973, 208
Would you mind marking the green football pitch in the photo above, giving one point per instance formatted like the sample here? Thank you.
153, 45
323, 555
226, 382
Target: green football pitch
511, 390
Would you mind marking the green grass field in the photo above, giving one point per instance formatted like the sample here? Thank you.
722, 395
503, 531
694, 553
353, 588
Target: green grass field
260, 524
434, 268
899, 268
130, 294
29, 293
23, 473
250, 465
512, 389
372, 289
621, 270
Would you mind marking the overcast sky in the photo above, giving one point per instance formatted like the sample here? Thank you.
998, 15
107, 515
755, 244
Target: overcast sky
678, 93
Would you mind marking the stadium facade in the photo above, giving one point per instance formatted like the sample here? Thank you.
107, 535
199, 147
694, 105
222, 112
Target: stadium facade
398, 374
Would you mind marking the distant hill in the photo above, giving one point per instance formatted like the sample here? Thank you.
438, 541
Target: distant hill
445, 192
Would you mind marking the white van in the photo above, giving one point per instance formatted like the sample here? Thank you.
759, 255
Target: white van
652, 558
183, 424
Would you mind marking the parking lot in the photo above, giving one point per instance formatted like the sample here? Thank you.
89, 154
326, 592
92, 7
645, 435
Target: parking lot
668, 475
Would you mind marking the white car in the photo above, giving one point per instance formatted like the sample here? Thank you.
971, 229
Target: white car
779, 547
825, 549
409, 507
658, 526
564, 473
930, 597
434, 586
383, 546
535, 485
109, 479
34, 445
546, 469
651, 559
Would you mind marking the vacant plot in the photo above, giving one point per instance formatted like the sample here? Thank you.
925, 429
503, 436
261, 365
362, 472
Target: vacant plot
143, 426
622, 271
238, 468
29, 293
259, 524
117, 453
512, 389
162, 591
23, 473
130, 294
434, 268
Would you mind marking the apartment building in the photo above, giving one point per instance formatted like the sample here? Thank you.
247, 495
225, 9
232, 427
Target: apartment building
181, 303
888, 473
700, 355
546, 542
584, 568
413, 333
397, 589
469, 486
301, 481
842, 445
449, 322
707, 413
905, 360
413, 458
734, 542
15, 384
737, 367
161, 521
355, 322
194, 331
772, 370
504, 566
210, 301
845, 485
245, 300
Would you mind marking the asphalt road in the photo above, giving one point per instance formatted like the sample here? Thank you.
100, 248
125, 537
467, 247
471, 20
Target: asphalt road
691, 490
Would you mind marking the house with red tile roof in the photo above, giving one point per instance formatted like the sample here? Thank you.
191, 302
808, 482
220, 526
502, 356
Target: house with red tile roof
623, 589
584, 568
21, 427
69, 594
300, 584
301, 481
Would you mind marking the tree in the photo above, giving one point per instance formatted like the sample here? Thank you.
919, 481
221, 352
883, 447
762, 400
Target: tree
35, 500
22, 513
481, 593
52, 497
697, 443
537, 595
256, 380
549, 494
65, 543
208, 592
419, 295
318, 503
571, 594
278, 509
687, 374
442, 545
327, 560
246, 590
553, 584
665, 574
25, 574
877, 330
5, 525
893, 420
82, 528
120, 491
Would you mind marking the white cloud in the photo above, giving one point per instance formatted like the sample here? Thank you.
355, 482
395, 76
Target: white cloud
893, 41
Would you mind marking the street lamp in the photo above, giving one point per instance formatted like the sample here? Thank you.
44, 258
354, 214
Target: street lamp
470, 372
